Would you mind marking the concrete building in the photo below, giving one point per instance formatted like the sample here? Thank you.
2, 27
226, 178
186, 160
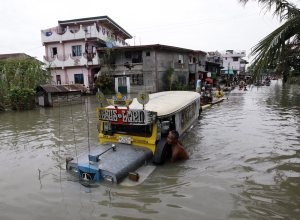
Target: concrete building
70, 48
233, 62
146, 65
214, 64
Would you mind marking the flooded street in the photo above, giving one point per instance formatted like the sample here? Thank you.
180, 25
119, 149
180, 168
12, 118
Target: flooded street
245, 164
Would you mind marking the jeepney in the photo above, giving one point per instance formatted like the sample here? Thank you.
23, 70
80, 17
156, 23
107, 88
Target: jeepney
133, 133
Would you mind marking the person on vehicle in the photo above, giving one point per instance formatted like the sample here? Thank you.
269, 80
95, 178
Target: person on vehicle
219, 93
178, 152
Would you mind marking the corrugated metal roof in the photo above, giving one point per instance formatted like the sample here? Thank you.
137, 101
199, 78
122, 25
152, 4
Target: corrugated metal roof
62, 88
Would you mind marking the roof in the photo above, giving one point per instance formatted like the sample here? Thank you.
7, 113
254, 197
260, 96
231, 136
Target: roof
19, 56
150, 46
14, 55
167, 103
62, 88
104, 19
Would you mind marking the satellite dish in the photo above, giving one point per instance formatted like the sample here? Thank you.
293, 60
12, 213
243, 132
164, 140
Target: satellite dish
143, 98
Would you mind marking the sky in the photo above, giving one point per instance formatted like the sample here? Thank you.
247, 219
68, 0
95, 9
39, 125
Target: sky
206, 25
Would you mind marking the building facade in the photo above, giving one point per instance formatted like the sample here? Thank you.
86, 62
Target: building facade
233, 62
71, 48
146, 65
214, 64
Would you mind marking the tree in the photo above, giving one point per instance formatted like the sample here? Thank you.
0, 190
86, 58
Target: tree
168, 79
277, 48
105, 82
19, 78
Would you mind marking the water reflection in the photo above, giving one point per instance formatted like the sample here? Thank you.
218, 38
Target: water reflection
244, 164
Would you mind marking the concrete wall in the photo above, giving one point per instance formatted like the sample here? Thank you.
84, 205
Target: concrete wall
67, 75
153, 68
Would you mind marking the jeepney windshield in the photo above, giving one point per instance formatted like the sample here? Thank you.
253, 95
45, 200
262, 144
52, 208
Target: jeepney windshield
136, 130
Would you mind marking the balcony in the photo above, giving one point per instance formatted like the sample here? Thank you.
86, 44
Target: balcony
82, 33
58, 61
195, 68
120, 68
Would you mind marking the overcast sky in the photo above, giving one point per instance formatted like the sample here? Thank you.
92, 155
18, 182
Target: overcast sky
207, 25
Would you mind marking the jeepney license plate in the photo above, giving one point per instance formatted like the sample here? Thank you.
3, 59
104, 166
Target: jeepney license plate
125, 140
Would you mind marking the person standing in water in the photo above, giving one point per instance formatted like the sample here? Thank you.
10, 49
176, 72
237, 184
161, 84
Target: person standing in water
178, 152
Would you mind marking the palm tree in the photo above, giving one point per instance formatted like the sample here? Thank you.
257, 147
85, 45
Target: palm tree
278, 48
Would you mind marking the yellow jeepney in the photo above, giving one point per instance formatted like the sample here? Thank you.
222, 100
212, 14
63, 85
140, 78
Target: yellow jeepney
132, 136
148, 125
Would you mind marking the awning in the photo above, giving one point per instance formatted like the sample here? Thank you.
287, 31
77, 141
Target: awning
230, 72
209, 80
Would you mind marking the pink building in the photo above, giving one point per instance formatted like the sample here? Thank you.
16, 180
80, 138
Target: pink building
70, 48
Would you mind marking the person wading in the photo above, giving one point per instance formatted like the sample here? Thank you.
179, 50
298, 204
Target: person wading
178, 152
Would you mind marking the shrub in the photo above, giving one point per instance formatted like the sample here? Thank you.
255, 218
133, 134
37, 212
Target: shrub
22, 98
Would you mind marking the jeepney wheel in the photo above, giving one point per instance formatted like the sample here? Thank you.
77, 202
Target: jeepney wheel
162, 152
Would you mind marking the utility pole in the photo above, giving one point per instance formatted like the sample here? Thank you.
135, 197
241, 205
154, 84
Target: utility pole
228, 74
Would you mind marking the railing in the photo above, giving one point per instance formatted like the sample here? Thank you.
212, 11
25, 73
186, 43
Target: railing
70, 61
80, 33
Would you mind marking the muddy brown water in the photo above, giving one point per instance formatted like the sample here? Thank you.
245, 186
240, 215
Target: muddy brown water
245, 164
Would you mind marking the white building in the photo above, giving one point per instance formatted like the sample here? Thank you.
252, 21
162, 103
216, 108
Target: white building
70, 48
233, 62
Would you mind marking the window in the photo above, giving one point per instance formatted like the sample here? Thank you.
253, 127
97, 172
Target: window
138, 130
78, 78
137, 57
136, 79
180, 59
147, 53
122, 81
53, 51
76, 51
235, 58
58, 80
128, 55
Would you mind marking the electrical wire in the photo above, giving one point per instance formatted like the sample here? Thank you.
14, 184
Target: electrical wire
74, 139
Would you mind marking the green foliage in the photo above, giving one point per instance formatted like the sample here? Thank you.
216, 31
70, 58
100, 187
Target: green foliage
280, 46
171, 83
18, 77
108, 59
106, 83
179, 84
22, 98
168, 78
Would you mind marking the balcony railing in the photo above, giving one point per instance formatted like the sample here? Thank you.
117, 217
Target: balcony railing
58, 61
80, 33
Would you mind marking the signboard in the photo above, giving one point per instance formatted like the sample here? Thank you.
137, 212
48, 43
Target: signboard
126, 116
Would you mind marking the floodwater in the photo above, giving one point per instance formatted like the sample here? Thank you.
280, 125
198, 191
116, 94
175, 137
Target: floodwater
245, 164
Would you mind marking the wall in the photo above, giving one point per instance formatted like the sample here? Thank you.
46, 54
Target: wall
153, 68
67, 75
